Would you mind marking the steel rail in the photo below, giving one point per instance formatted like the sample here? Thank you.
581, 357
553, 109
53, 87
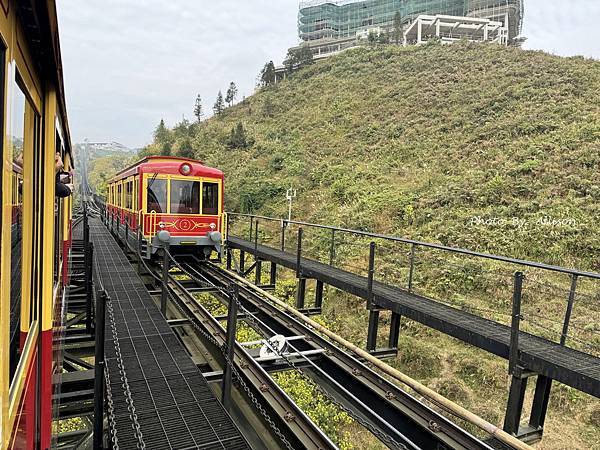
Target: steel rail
506, 259
392, 404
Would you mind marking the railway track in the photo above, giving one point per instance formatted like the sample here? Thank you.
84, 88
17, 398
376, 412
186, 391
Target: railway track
398, 419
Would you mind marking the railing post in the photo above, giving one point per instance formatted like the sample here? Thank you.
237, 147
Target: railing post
227, 228
412, 267
255, 239
301, 284
332, 248
251, 227
283, 228
242, 261
373, 311
299, 254
126, 236
371, 275
513, 359
229, 261
230, 345
99, 370
565, 330
165, 279
139, 246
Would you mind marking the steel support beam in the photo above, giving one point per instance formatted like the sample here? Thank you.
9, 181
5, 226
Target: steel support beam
300, 293
541, 397
319, 294
273, 274
394, 330
514, 408
373, 328
258, 274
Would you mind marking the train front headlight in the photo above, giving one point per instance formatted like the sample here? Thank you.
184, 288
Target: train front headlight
185, 169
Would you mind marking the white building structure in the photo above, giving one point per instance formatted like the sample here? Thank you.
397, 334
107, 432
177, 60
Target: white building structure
450, 29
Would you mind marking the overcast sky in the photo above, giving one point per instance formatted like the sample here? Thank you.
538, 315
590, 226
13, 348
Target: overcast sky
129, 63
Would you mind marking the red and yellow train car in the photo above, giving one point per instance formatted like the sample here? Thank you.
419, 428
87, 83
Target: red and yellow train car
35, 225
180, 197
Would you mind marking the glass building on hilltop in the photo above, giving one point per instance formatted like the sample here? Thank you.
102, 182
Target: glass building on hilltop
332, 25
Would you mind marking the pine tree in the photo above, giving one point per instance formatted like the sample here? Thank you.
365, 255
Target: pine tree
268, 109
161, 133
219, 105
198, 109
397, 34
231, 93
163, 138
237, 137
267, 74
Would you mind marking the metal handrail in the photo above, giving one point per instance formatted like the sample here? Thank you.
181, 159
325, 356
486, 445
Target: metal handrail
506, 259
153, 219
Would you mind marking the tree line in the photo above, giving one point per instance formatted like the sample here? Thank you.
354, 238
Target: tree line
220, 103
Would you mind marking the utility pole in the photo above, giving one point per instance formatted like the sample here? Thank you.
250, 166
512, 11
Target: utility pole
290, 195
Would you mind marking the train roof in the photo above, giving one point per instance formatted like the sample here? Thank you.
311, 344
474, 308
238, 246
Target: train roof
168, 164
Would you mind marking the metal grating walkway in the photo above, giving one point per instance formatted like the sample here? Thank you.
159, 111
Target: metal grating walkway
175, 407
563, 364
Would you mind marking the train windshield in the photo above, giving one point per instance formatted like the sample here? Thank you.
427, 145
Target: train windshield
185, 197
157, 195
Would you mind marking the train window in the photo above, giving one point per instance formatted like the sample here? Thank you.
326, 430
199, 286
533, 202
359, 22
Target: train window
17, 131
128, 194
185, 197
135, 193
119, 196
210, 198
58, 212
157, 195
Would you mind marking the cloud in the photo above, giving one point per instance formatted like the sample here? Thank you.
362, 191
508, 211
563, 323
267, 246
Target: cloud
130, 63
566, 27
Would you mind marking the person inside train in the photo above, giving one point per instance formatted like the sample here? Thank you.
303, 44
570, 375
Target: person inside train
64, 186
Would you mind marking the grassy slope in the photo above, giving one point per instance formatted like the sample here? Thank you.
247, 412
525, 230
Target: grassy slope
416, 142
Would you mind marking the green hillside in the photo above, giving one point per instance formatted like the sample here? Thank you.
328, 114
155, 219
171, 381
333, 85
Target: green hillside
478, 146
418, 141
